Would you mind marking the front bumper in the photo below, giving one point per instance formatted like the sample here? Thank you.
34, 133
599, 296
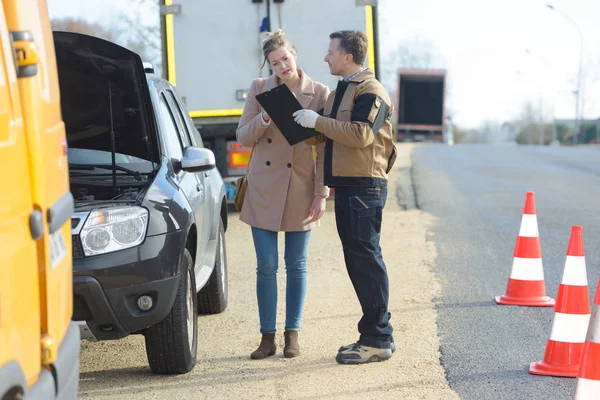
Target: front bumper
106, 287
114, 314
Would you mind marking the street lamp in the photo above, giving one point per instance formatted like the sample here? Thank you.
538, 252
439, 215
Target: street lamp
577, 92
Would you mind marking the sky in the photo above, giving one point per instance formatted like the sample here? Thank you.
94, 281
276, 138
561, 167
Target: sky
498, 54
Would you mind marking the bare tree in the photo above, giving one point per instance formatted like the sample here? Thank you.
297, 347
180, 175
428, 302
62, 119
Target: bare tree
140, 25
590, 76
137, 29
85, 27
534, 124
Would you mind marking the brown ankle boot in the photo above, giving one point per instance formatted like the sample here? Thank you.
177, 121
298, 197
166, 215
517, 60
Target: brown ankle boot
292, 348
266, 348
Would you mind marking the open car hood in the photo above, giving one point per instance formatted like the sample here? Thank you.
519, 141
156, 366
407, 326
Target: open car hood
103, 88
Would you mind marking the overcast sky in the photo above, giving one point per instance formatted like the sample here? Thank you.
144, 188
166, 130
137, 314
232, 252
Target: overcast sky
498, 54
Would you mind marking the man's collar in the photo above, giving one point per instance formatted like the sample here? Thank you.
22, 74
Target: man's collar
348, 79
360, 76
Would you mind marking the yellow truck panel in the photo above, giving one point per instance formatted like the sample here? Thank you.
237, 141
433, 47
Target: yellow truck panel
45, 132
19, 304
39, 345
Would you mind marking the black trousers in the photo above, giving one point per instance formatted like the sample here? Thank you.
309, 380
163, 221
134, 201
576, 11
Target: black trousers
358, 212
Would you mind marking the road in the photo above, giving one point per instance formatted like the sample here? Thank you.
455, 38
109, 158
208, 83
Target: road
118, 369
476, 195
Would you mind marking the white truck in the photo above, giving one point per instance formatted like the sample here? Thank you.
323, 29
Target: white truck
212, 52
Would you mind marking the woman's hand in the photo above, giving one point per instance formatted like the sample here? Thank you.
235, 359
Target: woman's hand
317, 209
265, 117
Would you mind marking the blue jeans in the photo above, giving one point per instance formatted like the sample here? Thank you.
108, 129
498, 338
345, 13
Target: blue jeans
358, 214
267, 257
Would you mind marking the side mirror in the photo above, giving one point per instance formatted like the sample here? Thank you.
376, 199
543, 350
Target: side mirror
197, 159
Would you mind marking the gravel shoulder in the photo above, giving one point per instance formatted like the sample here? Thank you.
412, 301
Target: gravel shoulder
118, 369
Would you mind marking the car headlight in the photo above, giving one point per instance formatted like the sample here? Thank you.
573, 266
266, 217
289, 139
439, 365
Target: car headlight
113, 229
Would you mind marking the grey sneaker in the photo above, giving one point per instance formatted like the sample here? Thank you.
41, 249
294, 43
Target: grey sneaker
349, 346
359, 354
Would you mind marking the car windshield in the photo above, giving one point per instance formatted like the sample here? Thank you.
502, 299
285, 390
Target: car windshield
99, 157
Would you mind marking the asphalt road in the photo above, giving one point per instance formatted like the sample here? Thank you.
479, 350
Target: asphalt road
477, 193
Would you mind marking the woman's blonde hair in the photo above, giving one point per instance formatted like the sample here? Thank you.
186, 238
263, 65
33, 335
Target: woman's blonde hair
275, 41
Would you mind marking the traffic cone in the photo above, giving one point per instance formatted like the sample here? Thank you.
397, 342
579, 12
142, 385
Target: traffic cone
571, 316
588, 378
525, 285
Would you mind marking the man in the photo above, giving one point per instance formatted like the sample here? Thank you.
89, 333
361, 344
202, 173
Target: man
359, 153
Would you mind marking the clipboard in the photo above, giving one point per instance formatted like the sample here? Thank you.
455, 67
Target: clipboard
280, 103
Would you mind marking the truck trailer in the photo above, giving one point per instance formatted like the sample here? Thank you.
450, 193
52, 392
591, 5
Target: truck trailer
213, 51
420, 113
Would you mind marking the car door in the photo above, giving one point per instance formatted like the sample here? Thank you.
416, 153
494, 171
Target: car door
20, 314
176, 142
204, 230
48, 166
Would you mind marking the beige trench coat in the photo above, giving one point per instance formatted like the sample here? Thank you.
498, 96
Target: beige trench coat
283, 179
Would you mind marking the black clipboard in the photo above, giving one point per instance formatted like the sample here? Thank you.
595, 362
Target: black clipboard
280, 103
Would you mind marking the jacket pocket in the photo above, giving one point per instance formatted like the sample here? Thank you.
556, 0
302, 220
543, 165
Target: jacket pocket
374, 111
365, 217
391, 160
344, 115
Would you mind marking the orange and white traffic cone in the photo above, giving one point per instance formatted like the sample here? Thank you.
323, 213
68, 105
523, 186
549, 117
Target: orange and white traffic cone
526, 285
571, 316
588, 378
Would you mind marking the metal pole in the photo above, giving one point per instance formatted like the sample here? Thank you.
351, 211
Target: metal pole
163, 38
578, 97
578, 90
268, 15
280, 14
376, 41
577, 122
269, 28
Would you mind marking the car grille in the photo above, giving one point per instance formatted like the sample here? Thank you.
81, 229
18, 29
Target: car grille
77, 249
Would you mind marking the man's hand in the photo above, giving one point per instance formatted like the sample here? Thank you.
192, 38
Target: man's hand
306, 118
317, 209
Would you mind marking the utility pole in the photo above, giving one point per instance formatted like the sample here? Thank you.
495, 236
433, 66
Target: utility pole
268, 15
577, 91
376, 39
375, 23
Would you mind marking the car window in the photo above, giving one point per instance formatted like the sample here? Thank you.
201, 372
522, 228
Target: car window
172, 139
194, 133
183, 130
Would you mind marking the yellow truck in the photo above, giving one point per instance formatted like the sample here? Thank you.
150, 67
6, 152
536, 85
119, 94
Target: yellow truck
39, 345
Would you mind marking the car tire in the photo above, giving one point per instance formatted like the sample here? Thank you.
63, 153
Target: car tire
212, 299
171, 345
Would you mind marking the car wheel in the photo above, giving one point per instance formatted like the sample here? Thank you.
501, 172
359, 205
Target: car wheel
171, 345
212, 299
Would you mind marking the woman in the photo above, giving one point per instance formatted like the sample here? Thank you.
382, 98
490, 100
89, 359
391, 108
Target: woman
284, 194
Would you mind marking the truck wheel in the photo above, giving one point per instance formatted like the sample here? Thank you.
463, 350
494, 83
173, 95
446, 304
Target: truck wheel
212, 299
171, 345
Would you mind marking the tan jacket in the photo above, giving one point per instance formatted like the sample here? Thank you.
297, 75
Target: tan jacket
357, 123
283, 179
